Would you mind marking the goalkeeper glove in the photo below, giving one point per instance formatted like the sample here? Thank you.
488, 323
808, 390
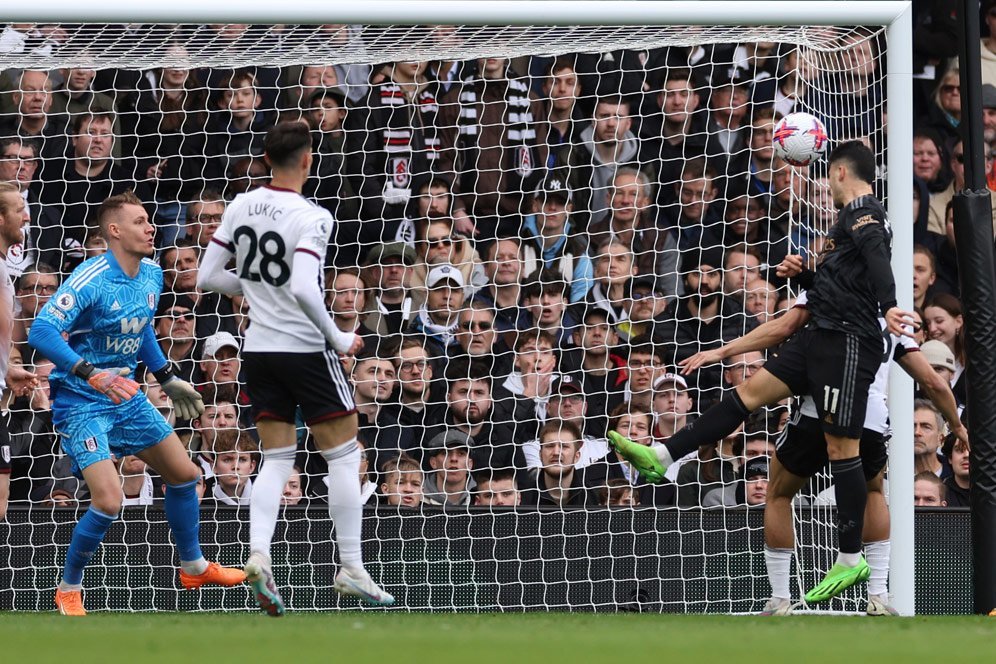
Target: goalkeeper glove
187, 402
113, 383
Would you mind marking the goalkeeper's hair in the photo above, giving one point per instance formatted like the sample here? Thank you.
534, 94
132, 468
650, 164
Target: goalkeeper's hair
286, 142
110, 207
859, 159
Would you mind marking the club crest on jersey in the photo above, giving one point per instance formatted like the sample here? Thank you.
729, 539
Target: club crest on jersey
399, 173
90, 444
66, 301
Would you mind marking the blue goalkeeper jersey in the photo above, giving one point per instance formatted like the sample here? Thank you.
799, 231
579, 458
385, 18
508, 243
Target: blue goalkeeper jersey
107, 315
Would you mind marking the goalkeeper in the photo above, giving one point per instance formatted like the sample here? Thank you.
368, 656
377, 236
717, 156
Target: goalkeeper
95, 329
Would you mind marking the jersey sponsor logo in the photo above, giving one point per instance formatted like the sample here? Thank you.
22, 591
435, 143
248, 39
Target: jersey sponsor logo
133, 325
55, 313
90, 444
66, 301
864, 221
124, 346
264, 210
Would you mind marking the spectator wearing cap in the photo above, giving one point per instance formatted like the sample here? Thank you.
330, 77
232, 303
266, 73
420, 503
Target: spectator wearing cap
751, 487
437, 318
479, 339
449, 481
485, 412
496, 488
375, 381
387, 273
558, 482
506, 269
940, 358
568, 403
703, 319
606, 145
346, 298
633, 222
220, 364
329, 184
436, 243
615, 265
553, 238
174, 328
646, 307
544, 297
671, 405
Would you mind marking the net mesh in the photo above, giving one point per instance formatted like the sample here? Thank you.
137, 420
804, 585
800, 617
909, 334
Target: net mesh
552, 181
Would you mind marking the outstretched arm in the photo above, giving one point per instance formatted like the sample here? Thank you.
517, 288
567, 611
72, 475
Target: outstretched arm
212, 275
764, 336
305, 278
937, 390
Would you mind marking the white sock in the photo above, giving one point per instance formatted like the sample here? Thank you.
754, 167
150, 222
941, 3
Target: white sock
267, 490
663, 456
345, 503
194, 567
779, 563
848, 559
70, 587
877, 554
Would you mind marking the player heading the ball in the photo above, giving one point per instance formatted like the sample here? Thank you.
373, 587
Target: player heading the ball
105, 308
279, 240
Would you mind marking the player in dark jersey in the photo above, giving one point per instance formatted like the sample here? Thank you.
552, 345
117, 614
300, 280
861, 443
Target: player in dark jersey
833, 359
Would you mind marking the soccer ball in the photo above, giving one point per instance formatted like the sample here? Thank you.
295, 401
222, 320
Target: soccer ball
800, 139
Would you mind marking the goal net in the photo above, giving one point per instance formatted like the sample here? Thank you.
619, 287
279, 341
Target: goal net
523, 216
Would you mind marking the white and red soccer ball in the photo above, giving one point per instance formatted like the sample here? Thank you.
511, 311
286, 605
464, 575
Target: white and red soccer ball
800, 139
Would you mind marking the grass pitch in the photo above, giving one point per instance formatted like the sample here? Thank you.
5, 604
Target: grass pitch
474, 639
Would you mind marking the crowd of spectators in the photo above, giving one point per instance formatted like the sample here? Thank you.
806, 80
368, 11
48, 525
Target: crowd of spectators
528, 247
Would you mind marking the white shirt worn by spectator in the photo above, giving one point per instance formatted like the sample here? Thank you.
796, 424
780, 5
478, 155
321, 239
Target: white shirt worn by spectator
236, 501
144, 496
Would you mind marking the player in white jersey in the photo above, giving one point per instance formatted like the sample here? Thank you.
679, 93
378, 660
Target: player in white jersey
801, 452
13, 217
279, 240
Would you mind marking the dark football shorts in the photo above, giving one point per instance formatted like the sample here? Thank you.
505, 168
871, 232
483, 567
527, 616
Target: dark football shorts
280, 382
836, 369
4, 444
802, 448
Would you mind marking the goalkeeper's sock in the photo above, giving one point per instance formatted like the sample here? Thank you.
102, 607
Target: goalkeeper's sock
345, 503
87, 536
184, 517
877, 555
779, 564
716, 423
851, 494
267, 491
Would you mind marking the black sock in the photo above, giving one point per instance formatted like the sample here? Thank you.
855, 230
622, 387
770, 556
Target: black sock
715, 424
852, 494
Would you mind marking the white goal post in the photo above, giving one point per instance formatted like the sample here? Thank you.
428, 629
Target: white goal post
894, 15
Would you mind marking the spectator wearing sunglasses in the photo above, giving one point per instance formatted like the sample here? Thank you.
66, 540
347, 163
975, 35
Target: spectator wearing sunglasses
479, 339
437, 244
175, 331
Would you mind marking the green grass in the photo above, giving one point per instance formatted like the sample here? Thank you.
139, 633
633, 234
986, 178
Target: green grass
389, 638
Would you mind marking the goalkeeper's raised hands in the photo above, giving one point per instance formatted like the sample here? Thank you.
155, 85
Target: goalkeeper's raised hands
187, 402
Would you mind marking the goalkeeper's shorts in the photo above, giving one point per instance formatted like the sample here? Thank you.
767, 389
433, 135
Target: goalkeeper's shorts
802, 449
92, 431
